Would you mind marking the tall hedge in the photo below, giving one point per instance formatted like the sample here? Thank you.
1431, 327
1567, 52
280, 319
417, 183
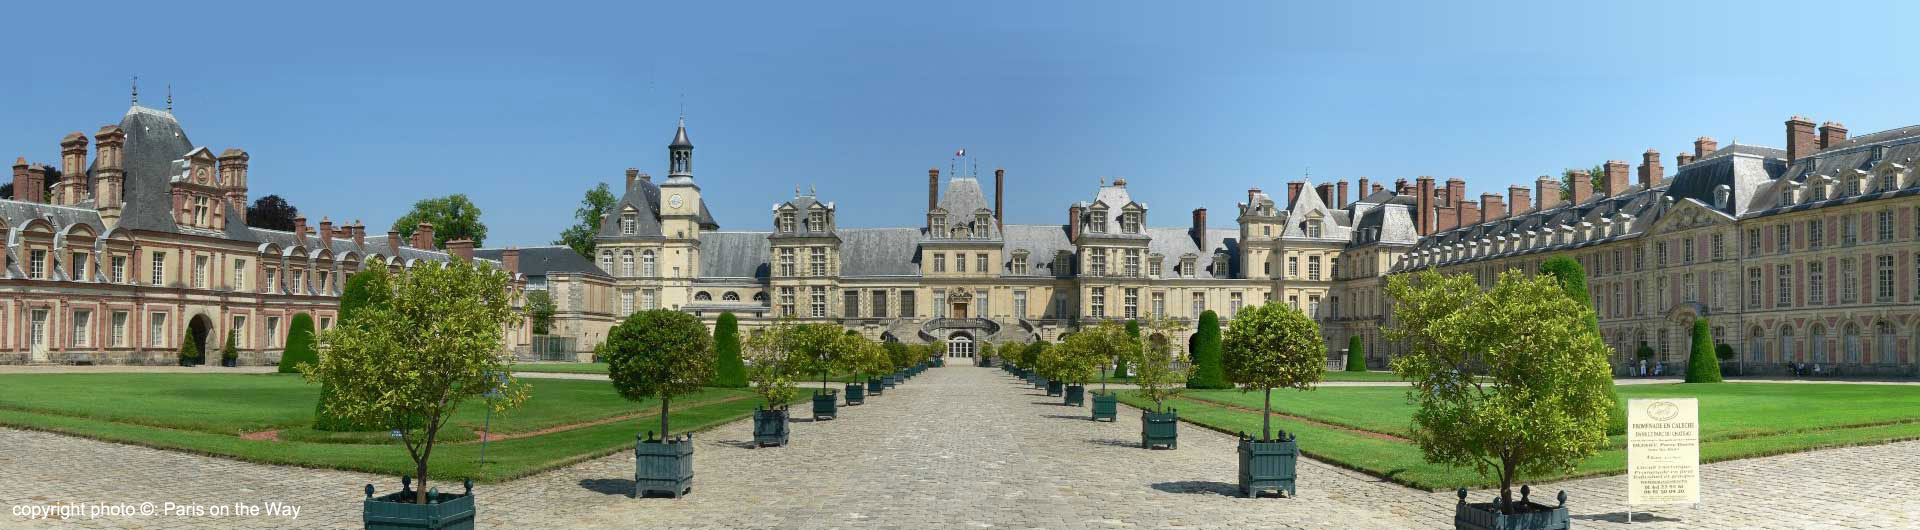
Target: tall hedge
1207, 370
1356, 355
1702, 365
1573, 281
729, 370
299, 348
1120, 363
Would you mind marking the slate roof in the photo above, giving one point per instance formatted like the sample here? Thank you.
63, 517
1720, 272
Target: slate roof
1043, 243
540, 261
1115, 198
1174, 243
962, 200
879, 252
734, 255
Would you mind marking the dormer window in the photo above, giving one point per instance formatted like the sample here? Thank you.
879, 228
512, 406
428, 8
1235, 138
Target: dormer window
786, 222
200, 212
1220, 266
817, 221
1130, 222
1187, 264
1062, 262
1154, 265
980, 224
1097, 222
1020, 263
629, 224
1819, 192
935, 222
1312, 228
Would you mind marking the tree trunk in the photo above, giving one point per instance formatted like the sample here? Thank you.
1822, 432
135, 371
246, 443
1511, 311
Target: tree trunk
1266, 418
420, 493
1506, 486
663, 418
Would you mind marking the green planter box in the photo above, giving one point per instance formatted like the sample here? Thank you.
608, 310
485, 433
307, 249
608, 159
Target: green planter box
1054, 388
1268, 464
875, 386
1530, 516
1076, 396
856, 394
1160, 429
663, 466
770, 427
824, 404
396, 511
1105, 407
1038, 382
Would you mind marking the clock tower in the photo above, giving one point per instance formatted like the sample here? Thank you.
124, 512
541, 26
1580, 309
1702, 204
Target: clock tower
680, 221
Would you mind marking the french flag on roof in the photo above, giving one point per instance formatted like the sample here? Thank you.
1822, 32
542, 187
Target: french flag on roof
961, 152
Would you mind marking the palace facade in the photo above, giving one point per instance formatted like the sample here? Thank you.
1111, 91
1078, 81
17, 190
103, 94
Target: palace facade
1801, 255
121, 258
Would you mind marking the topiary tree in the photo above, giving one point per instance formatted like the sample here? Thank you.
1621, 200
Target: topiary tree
659, 353
189, 352
1153, 359
1120, 362
1510, 381
1572, 278
362, 290
1356, 355
300, 345
230, 353
1724, 351
1702, 365
1207, 372
1273, 345
772, 371
728, 371
407, 364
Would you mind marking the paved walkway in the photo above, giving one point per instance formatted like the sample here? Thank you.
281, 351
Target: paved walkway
958, 447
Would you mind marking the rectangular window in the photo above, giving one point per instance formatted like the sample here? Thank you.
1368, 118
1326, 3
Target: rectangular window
1717, 282
239, 274
119, 269
1313, 306
1849, 231
981, 262
1020, 264
159, 267
200, 271
649, 299
1688, 287
1020, 303
817, 261
1153, 266
1718, 250
1293, 266
1096, 262
1686, 250
879, 306
787, 265
37, 335
1782, 238
1159, 304
1883, 226
939, 262
1099, 306
157, 330
1234, 300
1849, 282
118, 329
273, 332
1186, 267
1313, 268
817, 298
1639, 298
1753, 241
239, 331
1132, 302
1883, 280
79, 266
960, 262
1618, 300
1133, 262
37, 264
82, 326
273, 281
1660, 254
626, 302
850, 303
1783, 286
326, 323
1199, 303
1753, 288
1619, 261
1816, 233
1816, 282
907, 307
786, 301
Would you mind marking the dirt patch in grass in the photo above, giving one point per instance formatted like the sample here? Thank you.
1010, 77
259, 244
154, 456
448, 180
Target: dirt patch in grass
487, 436
270, 436
1302, 419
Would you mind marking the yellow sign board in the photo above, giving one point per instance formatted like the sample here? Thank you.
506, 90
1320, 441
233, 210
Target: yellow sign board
1663, 451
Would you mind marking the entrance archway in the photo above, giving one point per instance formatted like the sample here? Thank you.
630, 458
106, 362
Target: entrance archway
197, 331
960, 345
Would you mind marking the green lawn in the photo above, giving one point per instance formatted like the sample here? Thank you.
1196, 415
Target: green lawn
207, 413
564, 368
1368, 377
1737, 421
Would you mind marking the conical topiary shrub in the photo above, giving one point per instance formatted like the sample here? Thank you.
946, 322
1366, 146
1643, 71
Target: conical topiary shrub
1702, 365
189, 352
1356, 355
729, 370
300, 347
1207, 371
1120, 363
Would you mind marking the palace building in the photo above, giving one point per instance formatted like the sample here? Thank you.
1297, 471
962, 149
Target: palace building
147, 246
1802, 255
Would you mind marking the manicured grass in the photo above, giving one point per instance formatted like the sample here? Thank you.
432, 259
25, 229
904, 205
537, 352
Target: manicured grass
206, 413
564, 368
1737, 421
1361, 377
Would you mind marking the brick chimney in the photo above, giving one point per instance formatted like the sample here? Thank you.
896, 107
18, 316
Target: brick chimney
326, 232
1682, 159
632, 174
460, 247
1650, 172
1468, 212
1073, 223
1800, 141
73, 169
1456, 191
1342, 195
1490, 207
423, 236
1547, 190
1293, 192
1400, 187
1361, 192
510, 258
1325, 191
21, 182
1831, 134
1583, 183
999, 192
393, 243
1376, 189
300, 229
1423, 202
1199, 230
110, 176
1615, 178
1519, 201
359, 234
933, 189
1704, 147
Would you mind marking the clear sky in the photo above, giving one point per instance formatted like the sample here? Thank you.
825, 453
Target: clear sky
356, 111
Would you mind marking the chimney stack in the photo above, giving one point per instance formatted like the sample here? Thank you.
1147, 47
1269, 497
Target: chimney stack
326, 232
999, 194
1456, 191
1650, 172
110, 176
300, 229
1400, 187
1343, 195
73, 169
393, 245
1490, 207
1199, 231
21, 180
1325, 191
1831, 134
510, 259
423, 236
461, 247
1615, 179
1704, 147
632, 174
1423, 201
1583, 183
1682, 159
359, 234
1293, 192
1073, 223
1361, 192
933, 189
1547, 190
1376, 189
1800, 141
1519, 201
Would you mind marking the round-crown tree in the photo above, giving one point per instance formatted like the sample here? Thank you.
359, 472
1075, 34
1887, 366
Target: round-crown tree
1703, 366
1270, 346
1207, 372
772, 371
1030, 355
1153, 363
660, 354
407, 363
1120, 361
728, 371
818, 349
1510, 381
1079, 359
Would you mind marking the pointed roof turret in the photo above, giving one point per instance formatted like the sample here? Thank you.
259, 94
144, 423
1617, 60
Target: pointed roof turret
680, 136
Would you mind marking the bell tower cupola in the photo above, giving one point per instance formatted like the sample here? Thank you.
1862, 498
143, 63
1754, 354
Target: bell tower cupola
680, 154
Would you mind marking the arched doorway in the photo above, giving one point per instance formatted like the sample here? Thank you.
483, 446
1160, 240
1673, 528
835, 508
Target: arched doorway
197, 331
960, 345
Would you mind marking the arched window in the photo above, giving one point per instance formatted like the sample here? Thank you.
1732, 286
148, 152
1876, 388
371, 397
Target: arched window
702, 296
1850, 343
1787, 352
646, 263
1756, 347
606, 261
730, 296
626, 263
1817, 341
760, 297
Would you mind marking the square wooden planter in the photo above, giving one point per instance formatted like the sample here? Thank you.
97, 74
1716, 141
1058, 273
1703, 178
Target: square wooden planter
824, 402
1268, 464
770, 427
1076, 396
1105, 406
1054, 388
1530, 516
875, 386
396, 511
856, 394
890, 381
664, 466
1160, 429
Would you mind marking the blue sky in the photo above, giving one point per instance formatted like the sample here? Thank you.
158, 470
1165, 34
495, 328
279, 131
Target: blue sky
355, 111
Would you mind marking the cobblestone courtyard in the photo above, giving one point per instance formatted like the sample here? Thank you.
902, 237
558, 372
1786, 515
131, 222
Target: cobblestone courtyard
958, 447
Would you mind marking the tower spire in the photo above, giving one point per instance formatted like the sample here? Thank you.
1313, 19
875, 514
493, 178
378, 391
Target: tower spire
169, 97
136, 90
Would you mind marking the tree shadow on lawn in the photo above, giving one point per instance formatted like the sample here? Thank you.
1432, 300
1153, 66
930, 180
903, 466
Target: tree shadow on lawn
1202, 487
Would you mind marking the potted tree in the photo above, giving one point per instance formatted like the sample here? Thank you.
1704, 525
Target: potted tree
882, 362
901, 357
820, 349
190, 352
1051, 361
1158, 380
1270, 346
408, 362
1086, 353
771, 376
858, 355
1035, 352
1510, 382
230, 353
660, 354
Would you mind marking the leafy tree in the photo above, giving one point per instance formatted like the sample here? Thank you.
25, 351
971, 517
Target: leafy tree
1356, 355
362, 290
1510, 381
272, 213
987, 350
1120, 363
453, 217
540, 310
773, 368
597, 203
728, 370
899, 356
300, 345
1153, 357
1724, 351
1702, 366
1572, 278
872, 360
1207, 372
1030, 355
659, 353
1596, 176
408, 362
1079, 359
818, 348
1270, 346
